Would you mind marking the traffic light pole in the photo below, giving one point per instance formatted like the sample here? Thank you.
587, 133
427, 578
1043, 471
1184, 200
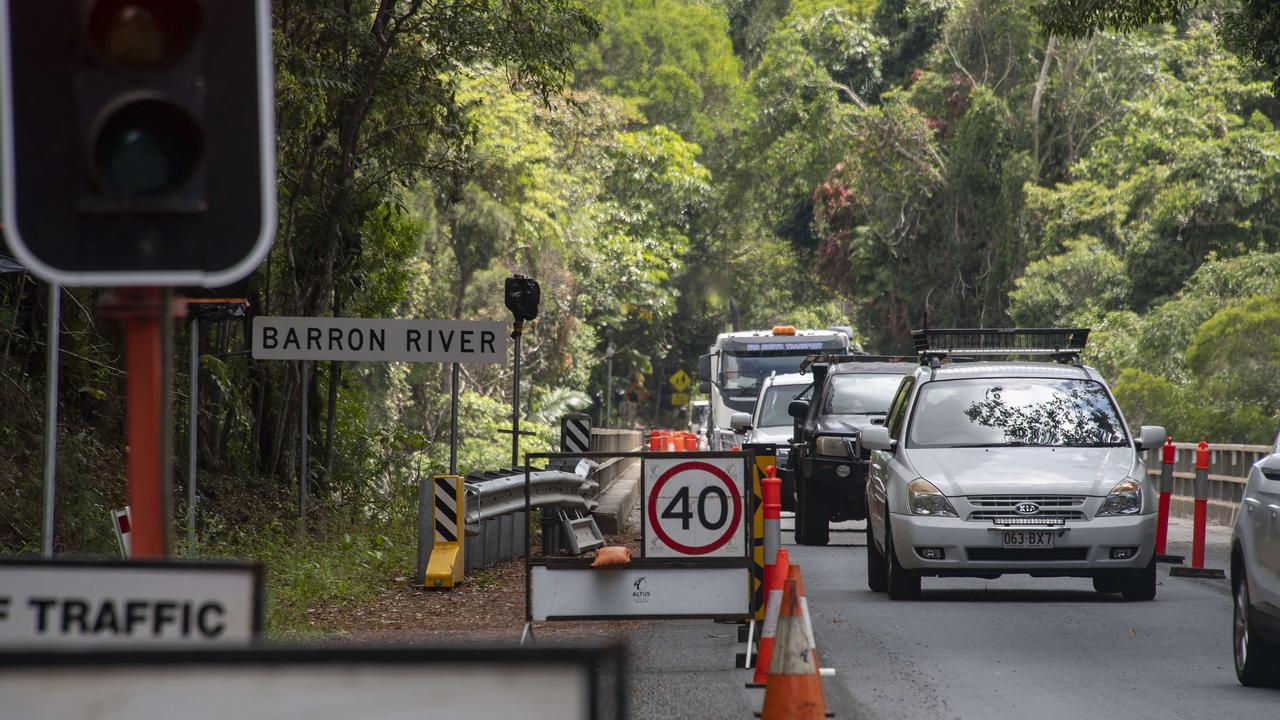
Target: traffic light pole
143, 312
515, 397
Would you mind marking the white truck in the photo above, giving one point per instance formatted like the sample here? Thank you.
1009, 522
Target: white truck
732, 373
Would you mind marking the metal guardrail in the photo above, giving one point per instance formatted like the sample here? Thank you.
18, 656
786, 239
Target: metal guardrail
1228, 474
495, 521
504, 495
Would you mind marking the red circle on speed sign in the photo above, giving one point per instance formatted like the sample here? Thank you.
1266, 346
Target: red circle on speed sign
732, 526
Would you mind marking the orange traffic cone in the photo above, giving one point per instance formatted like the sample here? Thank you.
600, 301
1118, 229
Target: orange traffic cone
793, 573
772, 606
794, 689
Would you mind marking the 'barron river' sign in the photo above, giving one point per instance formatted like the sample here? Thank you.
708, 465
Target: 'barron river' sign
370, 340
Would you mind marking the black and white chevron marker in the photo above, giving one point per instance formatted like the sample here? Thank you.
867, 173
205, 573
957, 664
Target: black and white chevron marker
575, 433
447, 507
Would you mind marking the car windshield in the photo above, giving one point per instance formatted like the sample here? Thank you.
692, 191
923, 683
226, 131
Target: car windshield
989, 412
773, 405
862, 393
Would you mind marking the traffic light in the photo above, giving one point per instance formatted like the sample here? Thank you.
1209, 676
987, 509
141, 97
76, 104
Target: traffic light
522, 297
138, 139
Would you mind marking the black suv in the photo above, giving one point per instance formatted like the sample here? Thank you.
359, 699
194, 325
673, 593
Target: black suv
849, 393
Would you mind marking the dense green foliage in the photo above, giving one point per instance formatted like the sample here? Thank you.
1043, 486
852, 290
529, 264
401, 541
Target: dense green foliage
668, 169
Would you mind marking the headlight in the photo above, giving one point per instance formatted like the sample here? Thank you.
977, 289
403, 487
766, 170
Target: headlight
1125, 499
783, 453
924, 499
832, 446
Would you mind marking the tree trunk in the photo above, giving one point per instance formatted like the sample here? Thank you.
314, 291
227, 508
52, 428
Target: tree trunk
1035, 110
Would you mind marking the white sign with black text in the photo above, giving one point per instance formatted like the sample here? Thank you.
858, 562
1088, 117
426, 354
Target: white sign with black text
46, 604
376, 340
694, 507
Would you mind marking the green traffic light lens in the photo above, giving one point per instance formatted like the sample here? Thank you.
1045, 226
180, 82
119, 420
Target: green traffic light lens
146, 148
143, 34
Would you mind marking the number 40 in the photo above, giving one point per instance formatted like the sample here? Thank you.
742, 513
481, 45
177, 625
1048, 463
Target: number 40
684, 514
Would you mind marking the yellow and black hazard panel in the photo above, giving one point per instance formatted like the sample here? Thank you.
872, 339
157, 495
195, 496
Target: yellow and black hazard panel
765, 455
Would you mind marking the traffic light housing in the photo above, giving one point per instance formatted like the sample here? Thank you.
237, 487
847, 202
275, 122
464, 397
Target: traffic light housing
522, 297
138, 139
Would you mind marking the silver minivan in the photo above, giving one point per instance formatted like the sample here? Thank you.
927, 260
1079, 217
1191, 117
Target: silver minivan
990, 466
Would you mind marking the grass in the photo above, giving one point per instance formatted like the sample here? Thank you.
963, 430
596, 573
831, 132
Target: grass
346, 558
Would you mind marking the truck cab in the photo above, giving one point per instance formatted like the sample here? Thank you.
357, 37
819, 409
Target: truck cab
735, 369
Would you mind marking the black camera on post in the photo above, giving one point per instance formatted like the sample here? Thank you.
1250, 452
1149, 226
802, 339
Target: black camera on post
522, 296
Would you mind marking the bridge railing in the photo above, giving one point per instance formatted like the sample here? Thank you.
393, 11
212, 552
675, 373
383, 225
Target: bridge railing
1228, 473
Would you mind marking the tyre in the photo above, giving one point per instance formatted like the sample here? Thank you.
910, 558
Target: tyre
877, 572
1107, 584
1141, 586
1257, 661
812, 527
900, 584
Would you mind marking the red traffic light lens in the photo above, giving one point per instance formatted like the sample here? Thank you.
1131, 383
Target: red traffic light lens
143, 34
147, 147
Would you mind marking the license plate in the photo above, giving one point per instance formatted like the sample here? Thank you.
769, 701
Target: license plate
1027, 539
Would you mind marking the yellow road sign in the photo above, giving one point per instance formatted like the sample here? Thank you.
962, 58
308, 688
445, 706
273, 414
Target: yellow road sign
680, 380
679, 399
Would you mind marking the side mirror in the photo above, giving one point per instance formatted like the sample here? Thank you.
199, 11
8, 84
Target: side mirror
877, 437
740, 422
1270, 466
1150, 437
704, 368
704, 387
798, 409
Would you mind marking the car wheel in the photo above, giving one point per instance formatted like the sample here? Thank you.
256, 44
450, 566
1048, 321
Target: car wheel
1107, 584
1257, 661
900, 584
877, 572
812, 527
1141, 586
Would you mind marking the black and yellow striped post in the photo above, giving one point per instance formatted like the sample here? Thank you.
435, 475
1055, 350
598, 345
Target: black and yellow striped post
445, 568
765, 456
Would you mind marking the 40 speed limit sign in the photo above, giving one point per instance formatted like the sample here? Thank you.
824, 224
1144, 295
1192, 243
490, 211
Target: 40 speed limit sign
694, 506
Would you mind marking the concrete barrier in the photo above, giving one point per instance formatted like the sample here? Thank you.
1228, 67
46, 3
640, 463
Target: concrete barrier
620, 441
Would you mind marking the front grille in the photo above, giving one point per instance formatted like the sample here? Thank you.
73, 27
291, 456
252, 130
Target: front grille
995, 507
995, 554
1009, 501
1006, 515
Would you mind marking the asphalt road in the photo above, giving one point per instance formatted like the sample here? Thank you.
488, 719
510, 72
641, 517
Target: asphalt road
1039, 648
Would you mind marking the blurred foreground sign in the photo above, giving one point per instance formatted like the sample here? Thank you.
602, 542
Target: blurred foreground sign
376, 340
317, 683
73, 604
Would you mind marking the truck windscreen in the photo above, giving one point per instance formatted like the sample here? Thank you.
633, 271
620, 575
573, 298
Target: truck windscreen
742, 373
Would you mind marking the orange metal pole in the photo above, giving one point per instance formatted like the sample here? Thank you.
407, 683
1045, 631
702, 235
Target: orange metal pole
142, 310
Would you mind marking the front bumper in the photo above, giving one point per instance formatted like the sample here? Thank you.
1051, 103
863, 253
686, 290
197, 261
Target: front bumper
970, 547
846, 477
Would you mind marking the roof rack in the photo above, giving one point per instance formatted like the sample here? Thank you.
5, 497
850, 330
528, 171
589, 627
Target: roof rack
1061, 344
834, 359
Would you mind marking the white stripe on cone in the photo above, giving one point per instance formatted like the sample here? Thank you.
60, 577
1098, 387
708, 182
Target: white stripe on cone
792, 650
